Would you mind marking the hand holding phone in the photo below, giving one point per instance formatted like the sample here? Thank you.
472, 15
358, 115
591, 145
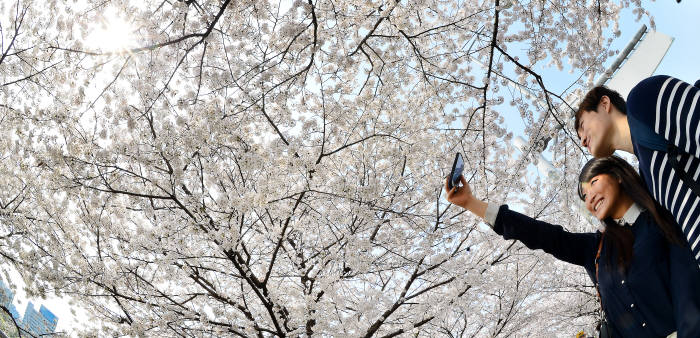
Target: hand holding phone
457, 169
463, 196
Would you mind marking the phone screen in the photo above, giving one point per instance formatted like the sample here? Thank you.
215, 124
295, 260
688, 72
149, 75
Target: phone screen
457, 169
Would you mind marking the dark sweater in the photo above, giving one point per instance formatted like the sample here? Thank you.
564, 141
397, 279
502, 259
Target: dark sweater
659, 293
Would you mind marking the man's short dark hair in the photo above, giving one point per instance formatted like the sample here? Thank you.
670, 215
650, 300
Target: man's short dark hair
592, 99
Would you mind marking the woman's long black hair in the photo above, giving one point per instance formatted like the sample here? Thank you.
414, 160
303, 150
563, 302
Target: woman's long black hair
632, 185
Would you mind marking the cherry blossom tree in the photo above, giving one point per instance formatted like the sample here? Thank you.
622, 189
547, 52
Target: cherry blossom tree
275, 168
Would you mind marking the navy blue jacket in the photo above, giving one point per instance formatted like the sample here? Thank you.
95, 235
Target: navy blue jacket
670, 108
658, 294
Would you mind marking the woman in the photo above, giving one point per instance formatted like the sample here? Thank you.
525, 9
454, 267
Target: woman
646, 286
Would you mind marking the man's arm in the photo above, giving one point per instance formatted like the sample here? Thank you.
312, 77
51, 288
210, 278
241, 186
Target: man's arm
685, 278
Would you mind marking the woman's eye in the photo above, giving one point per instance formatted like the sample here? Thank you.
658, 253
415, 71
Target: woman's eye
593, 181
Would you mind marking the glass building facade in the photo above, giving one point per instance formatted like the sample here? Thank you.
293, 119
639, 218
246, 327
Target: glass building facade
39, 322
6, 297
36, 322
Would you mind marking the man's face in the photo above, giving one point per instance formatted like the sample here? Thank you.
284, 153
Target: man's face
595, 131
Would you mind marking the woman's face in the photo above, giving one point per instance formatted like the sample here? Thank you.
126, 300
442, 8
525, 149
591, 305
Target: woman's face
602, 194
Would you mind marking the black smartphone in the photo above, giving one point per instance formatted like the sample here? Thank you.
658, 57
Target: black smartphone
457, 169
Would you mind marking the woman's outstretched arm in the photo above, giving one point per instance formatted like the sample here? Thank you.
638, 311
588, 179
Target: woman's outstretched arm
574, 248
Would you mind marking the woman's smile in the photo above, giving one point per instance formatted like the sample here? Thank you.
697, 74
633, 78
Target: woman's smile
597, 205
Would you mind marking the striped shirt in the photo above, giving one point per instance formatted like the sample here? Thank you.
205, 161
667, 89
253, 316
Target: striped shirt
670, 108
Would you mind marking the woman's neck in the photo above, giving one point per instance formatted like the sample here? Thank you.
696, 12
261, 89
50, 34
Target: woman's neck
623, 204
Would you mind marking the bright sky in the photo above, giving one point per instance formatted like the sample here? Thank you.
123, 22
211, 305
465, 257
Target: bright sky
681, 22
673, 19
676, 20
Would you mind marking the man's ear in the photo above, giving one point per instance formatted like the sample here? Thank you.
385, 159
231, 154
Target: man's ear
605, 104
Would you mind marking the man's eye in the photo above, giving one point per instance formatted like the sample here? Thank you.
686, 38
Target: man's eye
584, 197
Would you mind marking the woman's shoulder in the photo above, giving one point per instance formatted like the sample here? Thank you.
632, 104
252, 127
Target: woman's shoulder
646, 227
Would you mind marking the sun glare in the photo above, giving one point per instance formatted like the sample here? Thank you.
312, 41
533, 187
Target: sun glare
112, 34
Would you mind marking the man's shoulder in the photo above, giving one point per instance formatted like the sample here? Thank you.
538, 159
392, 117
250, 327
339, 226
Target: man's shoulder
650, 87
643, 98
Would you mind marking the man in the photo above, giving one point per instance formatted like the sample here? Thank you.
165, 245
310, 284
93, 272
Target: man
667, 111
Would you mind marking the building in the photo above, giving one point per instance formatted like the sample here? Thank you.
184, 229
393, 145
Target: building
8, 321
39, 322
36, 322
6, 298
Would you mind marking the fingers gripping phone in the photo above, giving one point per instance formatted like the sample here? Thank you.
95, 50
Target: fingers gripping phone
457, 169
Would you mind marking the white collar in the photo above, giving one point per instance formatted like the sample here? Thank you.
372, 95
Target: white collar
630, 216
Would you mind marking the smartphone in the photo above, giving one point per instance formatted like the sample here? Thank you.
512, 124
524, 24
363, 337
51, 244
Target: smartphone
457, 169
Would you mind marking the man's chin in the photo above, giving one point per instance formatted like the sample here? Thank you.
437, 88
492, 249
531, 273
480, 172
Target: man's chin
598, 153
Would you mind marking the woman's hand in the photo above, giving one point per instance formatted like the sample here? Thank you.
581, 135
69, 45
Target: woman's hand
463, 197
